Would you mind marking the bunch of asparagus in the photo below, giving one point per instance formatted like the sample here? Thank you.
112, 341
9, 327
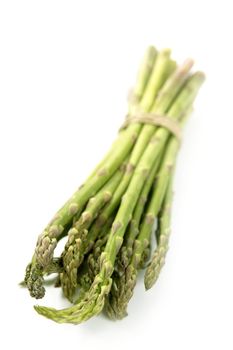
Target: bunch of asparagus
109, 221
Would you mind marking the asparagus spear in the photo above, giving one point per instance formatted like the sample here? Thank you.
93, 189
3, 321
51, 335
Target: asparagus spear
143, 76
93, 300
163, 230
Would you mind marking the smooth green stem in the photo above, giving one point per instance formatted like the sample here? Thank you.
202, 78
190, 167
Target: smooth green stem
156, 80
163, 232
143, 76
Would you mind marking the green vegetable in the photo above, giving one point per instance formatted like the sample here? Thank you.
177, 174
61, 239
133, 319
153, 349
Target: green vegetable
109, 221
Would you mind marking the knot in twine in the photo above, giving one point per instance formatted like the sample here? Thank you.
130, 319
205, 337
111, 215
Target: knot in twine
154, 119
163, 120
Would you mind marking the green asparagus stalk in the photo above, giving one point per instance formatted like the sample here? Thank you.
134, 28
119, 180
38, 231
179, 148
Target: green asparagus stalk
158, 259
158, 76
143, 76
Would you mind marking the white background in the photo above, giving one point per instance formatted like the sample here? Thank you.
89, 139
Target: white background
65, 69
